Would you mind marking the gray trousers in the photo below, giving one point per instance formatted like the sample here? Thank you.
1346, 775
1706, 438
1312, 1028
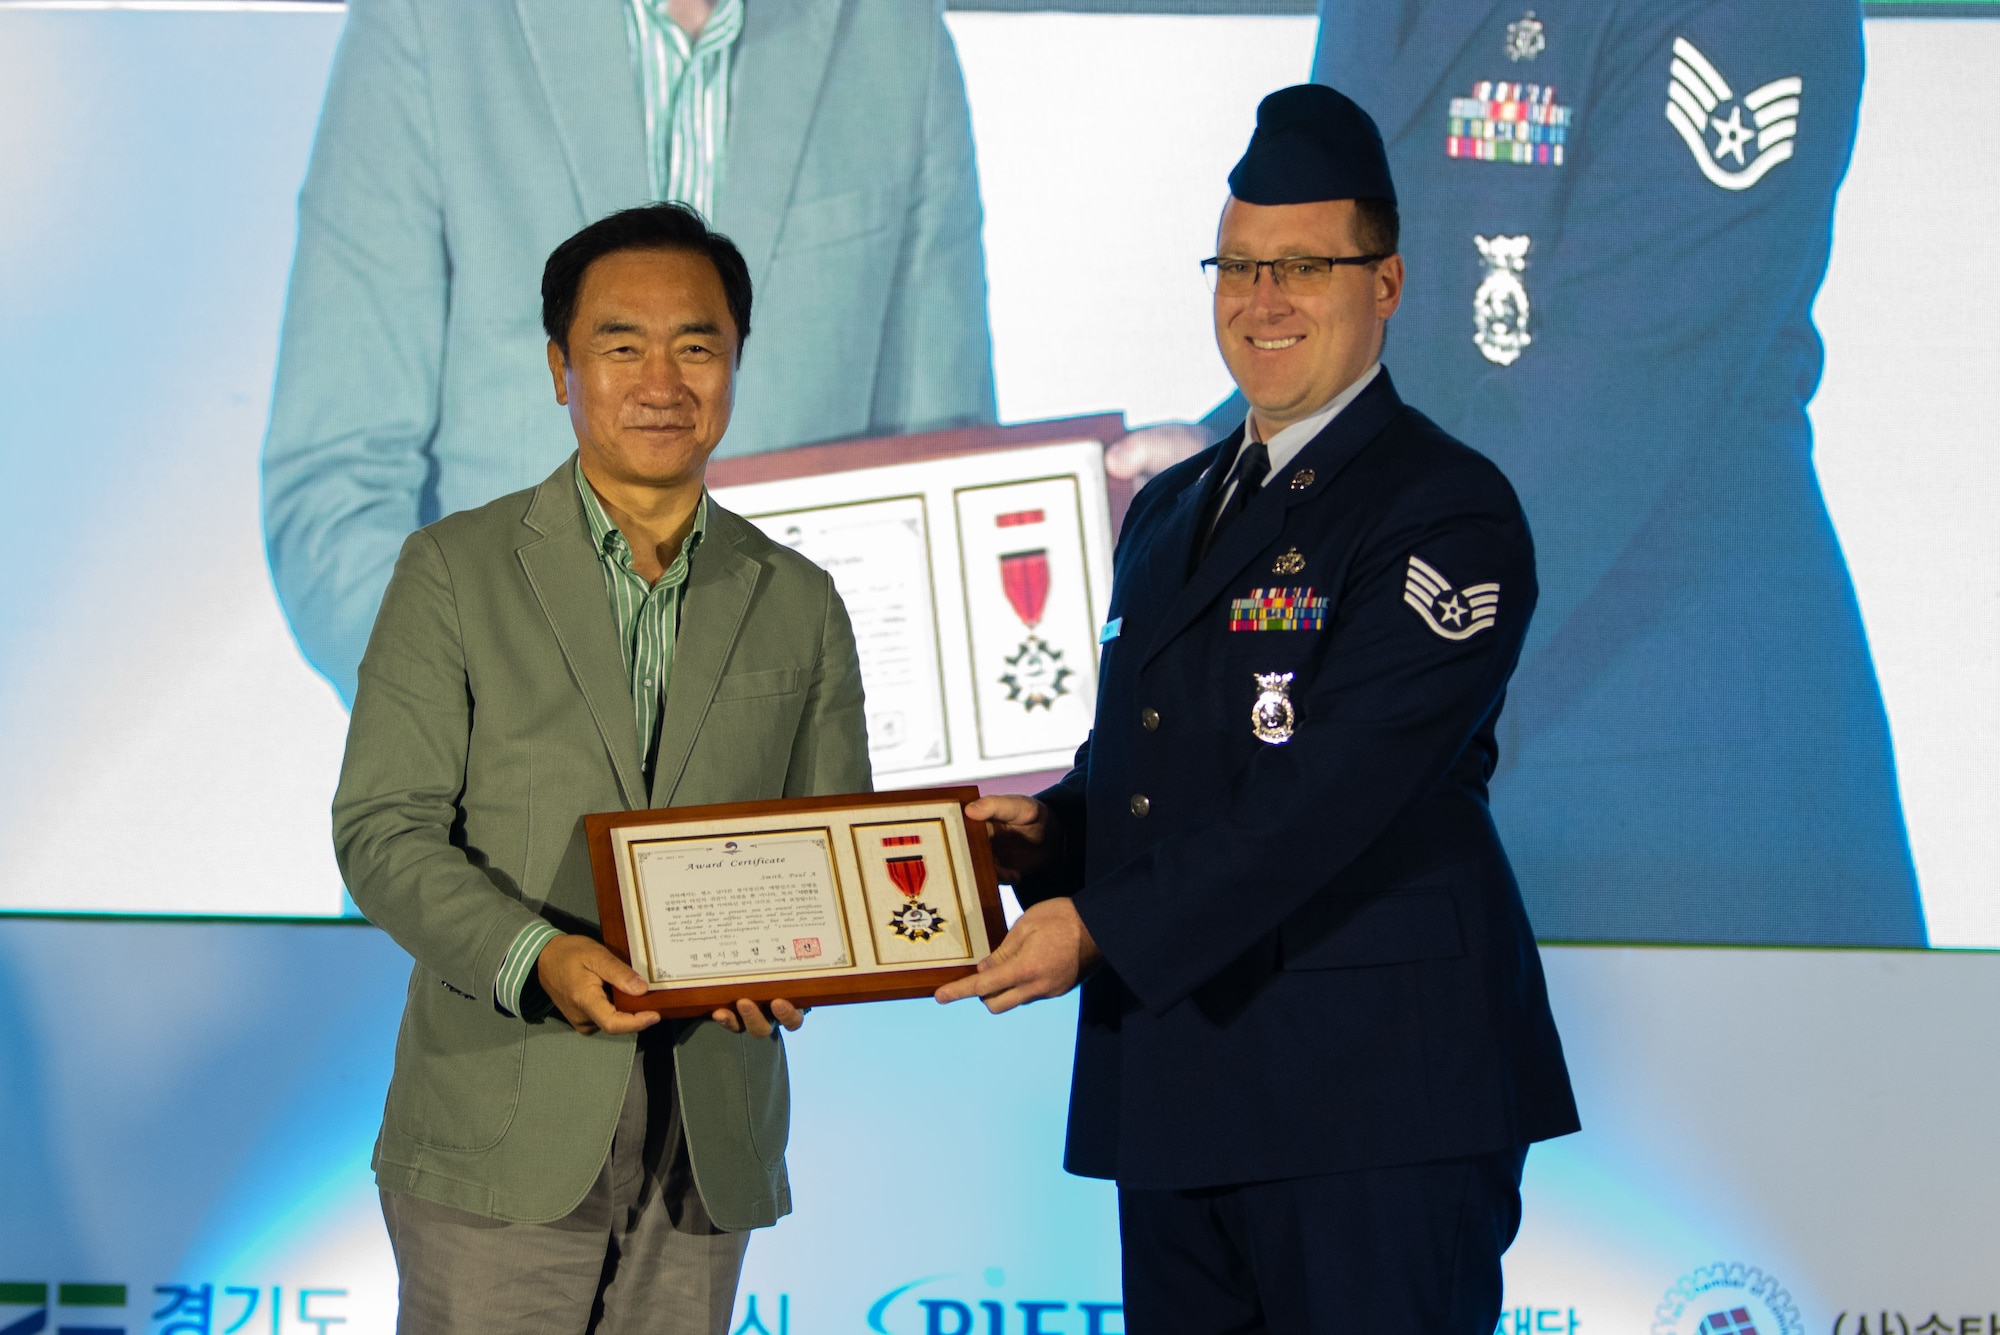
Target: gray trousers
638, 1255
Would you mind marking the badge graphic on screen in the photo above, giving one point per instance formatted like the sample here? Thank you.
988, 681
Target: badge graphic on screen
1456, 614
1526, 37
1500, 306
1696, 96
1036, 674
917, 921
1272, 718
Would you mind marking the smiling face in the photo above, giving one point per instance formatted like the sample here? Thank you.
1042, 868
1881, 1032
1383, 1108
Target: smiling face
651, 373
1292, 352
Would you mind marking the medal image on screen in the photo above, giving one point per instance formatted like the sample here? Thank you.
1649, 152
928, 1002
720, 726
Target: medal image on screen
1028, 613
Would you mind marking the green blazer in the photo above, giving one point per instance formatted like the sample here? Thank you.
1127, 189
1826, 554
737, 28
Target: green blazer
493, 714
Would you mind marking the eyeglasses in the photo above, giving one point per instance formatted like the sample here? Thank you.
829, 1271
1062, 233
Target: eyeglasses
1293, 273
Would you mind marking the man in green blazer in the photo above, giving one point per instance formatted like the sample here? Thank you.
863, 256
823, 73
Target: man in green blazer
610, 639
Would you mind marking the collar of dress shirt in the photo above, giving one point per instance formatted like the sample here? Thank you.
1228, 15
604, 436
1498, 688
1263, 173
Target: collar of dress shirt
1285, 445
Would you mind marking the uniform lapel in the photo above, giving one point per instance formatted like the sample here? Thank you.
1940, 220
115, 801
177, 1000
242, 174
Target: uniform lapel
721, 580
583, 57
780, 65
1180, 526
567, 580
1257, 527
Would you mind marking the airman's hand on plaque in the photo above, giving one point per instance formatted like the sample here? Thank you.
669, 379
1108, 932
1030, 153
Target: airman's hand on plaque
1025, 838
1046, 952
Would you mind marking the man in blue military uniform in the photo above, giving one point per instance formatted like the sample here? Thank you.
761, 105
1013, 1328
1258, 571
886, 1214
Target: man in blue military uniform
1619, 218
1314, 1041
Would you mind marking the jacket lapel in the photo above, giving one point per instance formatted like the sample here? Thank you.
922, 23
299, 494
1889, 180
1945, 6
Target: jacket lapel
583, 57
780, 65
563, 572
721, 581
1258, 526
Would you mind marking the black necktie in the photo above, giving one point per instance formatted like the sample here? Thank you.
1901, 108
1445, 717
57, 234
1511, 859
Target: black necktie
1253, 465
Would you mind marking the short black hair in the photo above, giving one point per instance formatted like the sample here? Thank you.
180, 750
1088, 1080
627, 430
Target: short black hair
1378, 227
666, 226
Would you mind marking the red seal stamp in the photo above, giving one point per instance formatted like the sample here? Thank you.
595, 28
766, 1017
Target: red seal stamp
805, 947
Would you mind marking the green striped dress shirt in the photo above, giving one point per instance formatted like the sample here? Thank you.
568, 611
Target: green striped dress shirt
684, 87
648, 617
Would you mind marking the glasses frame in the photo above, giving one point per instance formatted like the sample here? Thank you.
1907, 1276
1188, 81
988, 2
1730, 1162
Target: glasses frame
1211, 271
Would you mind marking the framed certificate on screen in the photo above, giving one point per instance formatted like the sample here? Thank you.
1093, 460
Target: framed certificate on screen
866, 897
975, 566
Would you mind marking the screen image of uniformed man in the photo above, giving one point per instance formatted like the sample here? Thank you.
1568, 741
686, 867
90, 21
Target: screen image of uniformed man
1619, 217
459, 143
1314, 1041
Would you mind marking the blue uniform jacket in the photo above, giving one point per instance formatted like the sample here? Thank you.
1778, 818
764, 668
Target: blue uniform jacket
1696, 748
1316, 958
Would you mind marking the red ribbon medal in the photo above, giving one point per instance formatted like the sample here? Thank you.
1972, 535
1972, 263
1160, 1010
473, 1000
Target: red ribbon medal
909, 875
1036, 674
1025, 576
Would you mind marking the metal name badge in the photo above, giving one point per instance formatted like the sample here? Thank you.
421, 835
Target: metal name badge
1272, 718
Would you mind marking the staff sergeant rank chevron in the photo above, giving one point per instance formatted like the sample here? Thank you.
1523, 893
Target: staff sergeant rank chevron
1456, 615
1696, 92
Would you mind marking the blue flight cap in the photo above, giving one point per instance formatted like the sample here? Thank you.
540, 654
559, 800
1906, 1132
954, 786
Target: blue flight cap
1311, 144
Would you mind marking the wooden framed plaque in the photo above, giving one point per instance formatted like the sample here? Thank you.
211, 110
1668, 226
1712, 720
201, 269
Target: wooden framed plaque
819, 900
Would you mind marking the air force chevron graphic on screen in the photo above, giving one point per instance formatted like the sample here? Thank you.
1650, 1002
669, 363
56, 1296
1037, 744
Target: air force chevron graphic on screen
1695, 747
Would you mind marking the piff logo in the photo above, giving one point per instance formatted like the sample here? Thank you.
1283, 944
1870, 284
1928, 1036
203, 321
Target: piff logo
902, 1311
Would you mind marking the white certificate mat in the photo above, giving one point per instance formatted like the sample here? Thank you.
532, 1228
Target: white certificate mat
975, 583
708, 908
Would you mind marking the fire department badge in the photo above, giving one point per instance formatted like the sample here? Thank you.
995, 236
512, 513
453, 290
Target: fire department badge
1272, 718
1500, 306
1526, 37
1697, 94
1456, 614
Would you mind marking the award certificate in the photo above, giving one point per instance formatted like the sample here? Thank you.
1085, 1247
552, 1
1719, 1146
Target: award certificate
866, 897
